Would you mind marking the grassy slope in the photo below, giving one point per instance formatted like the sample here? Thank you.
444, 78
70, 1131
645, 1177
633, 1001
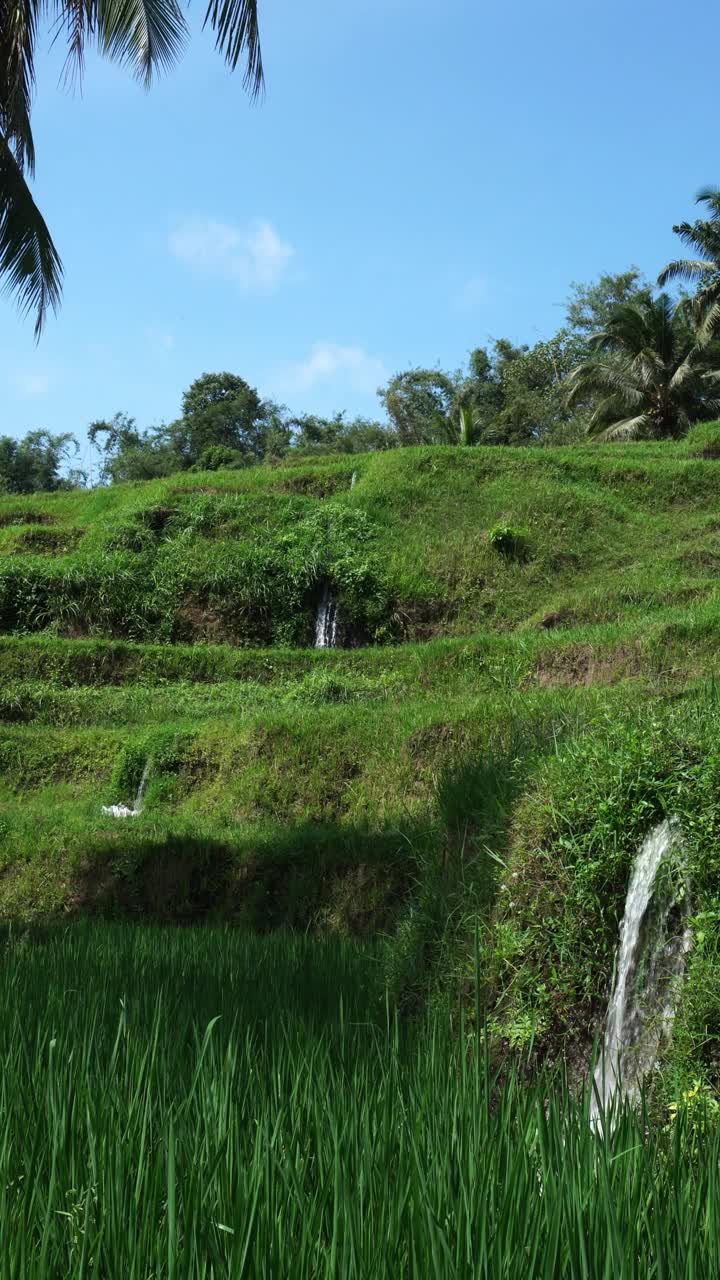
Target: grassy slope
242, 556
421, 788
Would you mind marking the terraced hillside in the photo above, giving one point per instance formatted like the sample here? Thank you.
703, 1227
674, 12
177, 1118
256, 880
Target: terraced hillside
524, 683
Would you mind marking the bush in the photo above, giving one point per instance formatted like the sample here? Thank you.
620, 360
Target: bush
219, 457
509, 541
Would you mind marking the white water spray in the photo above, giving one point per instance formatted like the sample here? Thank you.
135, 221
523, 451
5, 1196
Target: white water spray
326, 621
654, 940
353, 480
122, 810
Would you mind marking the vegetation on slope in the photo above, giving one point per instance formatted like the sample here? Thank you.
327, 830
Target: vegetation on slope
495, 778
244, 556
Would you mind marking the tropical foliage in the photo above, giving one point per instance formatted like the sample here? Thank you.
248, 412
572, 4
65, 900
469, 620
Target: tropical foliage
146, 35
647, 376
419, 404
703, 237
35, 462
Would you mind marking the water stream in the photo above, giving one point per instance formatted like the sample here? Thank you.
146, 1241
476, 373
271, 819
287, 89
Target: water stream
326, 621
122, 810
654, 940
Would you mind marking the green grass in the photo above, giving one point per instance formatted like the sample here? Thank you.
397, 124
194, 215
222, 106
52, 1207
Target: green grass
242, 556
459, 780
207, 1104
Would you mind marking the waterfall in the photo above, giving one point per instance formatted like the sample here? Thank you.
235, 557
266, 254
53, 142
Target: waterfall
122, 810
353, 480
654, 940
326, 621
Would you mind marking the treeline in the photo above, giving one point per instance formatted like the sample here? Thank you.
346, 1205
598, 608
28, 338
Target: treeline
627, 363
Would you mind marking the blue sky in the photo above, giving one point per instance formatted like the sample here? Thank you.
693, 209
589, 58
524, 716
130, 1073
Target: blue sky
419, 178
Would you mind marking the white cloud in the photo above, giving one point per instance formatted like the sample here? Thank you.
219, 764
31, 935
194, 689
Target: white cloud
31, 385
254, 257
473, 293
354, 367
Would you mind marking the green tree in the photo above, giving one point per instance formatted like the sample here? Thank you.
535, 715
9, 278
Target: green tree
482, 387
219, 409
703, 237
276, 429
314, 435
535, 408
590, 306
365, 435
147, 35
647, 374
516, 393
420, 404
130, 454
34, 463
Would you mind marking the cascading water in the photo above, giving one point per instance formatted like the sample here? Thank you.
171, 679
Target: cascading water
654, 940
353, 480
326, 621
122, 810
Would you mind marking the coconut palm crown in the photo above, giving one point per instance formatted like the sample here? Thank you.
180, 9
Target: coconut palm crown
647, 376
703, 237
146, 35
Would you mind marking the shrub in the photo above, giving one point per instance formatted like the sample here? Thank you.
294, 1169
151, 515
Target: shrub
509, 541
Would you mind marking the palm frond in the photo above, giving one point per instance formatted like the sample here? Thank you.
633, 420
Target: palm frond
600, 376
702, 236
709, 195
686, 370
18, 31
78, 18
709, 317
626, 428
235, 23
606, 412
29, 260
683, 269
148, 35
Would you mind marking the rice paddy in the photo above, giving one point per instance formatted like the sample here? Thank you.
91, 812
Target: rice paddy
210, 1103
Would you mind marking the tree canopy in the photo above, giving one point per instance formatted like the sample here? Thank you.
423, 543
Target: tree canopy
35, 462
218, 410
702, 236
647, 375
419, 403
590, 306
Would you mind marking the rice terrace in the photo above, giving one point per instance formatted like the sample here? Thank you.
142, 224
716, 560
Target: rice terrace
359, 767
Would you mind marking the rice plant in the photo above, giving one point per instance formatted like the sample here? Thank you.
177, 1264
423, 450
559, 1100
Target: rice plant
208, 1103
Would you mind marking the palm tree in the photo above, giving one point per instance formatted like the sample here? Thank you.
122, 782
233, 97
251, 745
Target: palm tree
648, 374
147, 35
703, 237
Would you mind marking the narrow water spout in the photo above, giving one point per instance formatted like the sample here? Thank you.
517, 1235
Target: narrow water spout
654, 941
326, 621
123, 810
353, 479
